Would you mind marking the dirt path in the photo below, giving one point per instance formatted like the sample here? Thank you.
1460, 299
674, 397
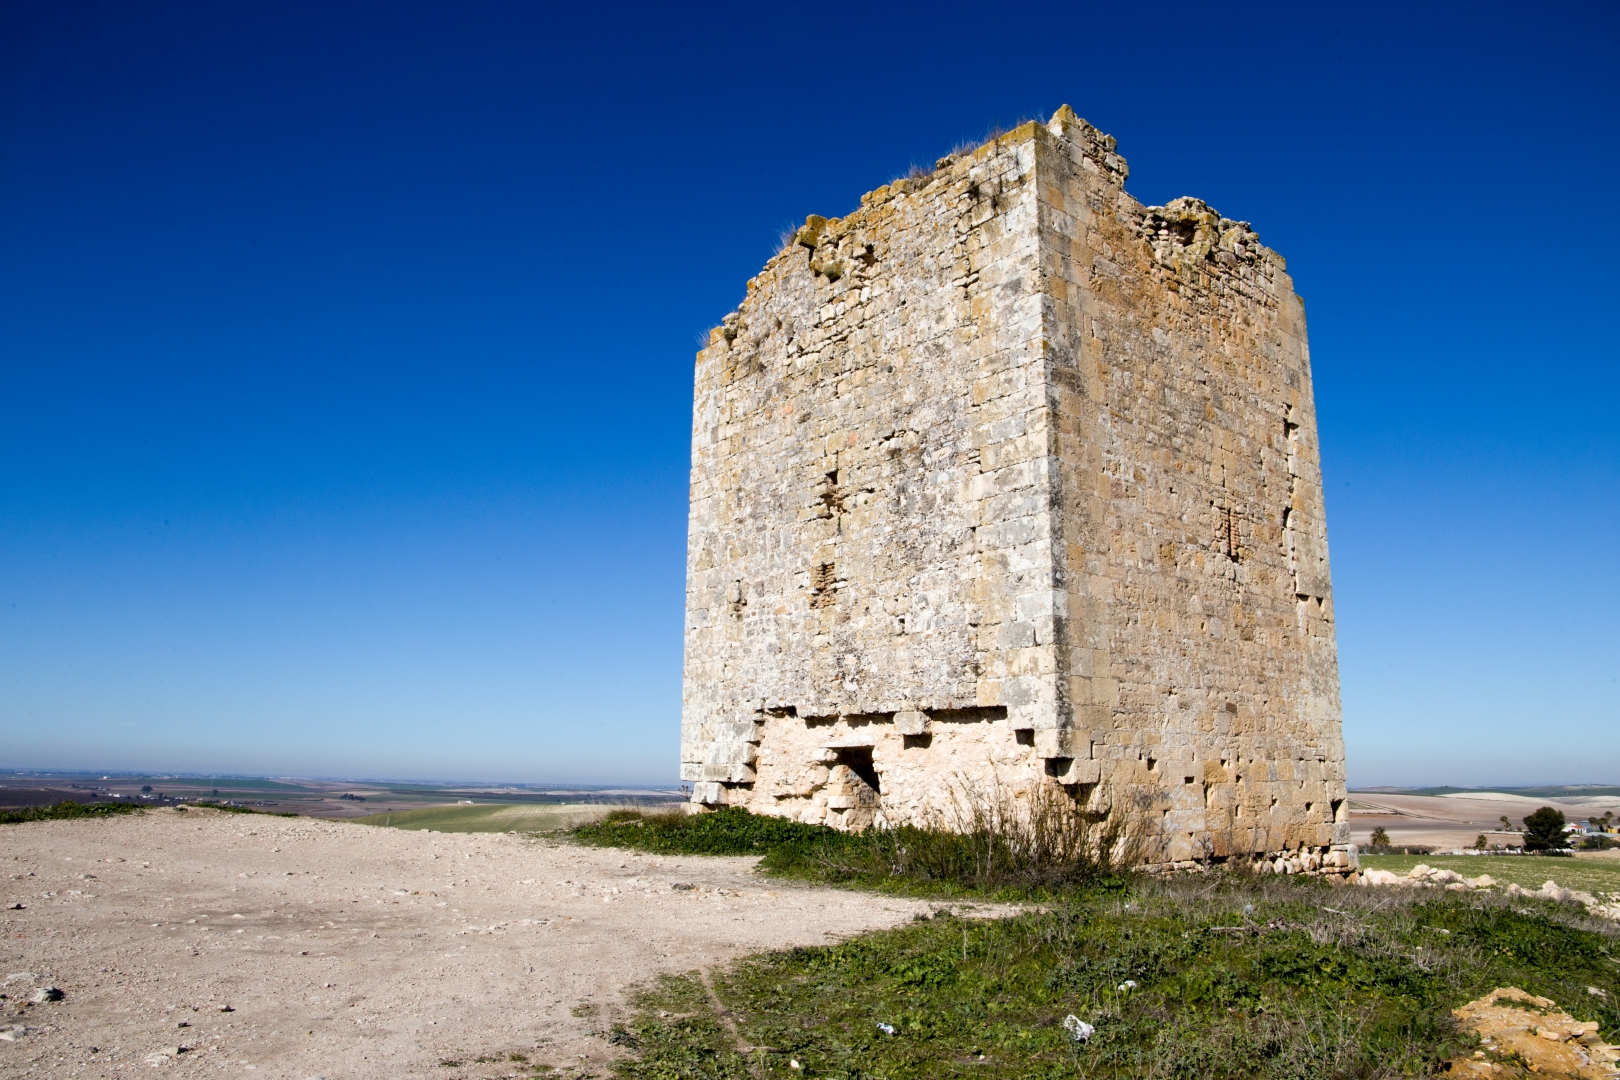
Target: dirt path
349, 952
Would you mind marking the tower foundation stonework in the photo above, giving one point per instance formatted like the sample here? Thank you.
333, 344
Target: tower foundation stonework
1007, 480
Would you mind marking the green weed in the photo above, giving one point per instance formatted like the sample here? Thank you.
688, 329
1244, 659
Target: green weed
1213, 976
67, 810
999, 851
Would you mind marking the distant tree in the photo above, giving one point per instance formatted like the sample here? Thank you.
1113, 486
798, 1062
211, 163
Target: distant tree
1601, 823
1380, 838
1544, 830
1507, 826
1481, 844
146, 789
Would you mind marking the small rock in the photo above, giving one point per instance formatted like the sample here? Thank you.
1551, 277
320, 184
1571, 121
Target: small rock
16, 906
1552, 1043
14, 1032
1077, 1028
46, 993
227, 1008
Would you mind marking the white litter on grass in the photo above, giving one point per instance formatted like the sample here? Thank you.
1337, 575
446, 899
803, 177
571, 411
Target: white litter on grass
887, 1029
1078, 1028
1128, 984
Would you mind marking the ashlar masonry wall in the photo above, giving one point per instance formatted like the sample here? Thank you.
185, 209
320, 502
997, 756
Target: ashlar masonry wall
1005, 480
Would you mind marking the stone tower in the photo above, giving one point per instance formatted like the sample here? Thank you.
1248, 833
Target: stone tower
1005, 479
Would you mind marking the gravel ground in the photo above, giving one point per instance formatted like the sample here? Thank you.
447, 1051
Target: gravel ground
213, 944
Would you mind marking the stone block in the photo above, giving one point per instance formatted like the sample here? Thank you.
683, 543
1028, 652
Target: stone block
1075, 771
911, 722
709, 794
730, 774
1063, 742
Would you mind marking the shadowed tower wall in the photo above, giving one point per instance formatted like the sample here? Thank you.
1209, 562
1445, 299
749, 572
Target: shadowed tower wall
1006, 480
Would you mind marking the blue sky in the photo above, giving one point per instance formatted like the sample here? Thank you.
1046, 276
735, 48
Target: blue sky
345, 349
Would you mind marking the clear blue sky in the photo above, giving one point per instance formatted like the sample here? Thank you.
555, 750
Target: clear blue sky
345, 349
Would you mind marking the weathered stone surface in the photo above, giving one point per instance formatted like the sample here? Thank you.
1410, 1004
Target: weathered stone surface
1523, 1035
1005, 479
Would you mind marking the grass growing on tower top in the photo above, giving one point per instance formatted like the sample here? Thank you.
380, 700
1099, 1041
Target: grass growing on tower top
1235, 976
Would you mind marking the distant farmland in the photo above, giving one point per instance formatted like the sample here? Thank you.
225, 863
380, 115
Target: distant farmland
493, 817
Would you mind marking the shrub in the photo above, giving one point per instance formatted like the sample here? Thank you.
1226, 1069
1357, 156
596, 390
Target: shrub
1544, 830
991, 844
727, 831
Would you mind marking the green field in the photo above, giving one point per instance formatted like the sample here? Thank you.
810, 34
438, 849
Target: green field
1556, 791
1600, 875
493, 817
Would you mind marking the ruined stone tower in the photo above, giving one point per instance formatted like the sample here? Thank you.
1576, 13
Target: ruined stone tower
1003, 480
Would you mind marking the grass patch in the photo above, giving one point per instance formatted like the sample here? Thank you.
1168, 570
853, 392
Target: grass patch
208, 804
1037, 854
64, 811
1235, 976
1600, 875
490, 817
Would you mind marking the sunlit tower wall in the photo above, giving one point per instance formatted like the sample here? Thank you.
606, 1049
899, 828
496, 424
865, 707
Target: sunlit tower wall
1007, 480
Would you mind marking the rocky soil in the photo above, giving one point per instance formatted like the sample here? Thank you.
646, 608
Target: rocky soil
209, 944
